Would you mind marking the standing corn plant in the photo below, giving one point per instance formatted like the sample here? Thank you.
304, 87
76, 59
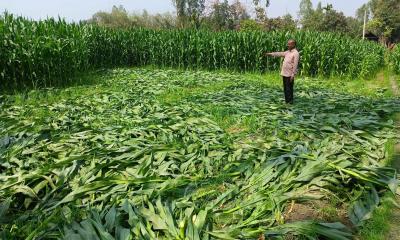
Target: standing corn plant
51, 52
394, 59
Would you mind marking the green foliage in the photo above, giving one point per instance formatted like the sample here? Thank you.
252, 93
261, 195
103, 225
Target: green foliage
117, 18
40, 54
285, 23
220, 16
113, 162
250, 25
240, 51
328, 19
394, 59
378, 227
47, 53
306, 10
189, 12
333, 20
120, 18
226, 16
260, 7
354, 27
158, 21
384, 18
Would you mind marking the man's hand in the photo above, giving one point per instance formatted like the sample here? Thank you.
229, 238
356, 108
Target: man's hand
267, 54
292, 78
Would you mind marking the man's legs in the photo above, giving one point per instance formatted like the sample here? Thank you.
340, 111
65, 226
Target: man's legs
291, 85
288, 89
285, 88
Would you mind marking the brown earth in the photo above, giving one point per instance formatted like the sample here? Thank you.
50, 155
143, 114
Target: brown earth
320, 210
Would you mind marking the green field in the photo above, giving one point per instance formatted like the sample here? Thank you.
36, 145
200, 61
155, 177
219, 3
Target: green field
40, 54
395, 59
144, 153
109, 133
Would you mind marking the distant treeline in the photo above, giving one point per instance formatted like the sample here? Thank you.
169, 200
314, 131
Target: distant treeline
383, 18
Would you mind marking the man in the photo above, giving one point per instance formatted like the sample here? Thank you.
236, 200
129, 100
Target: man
289, 68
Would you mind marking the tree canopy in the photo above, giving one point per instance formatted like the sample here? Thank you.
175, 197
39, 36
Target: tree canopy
383, 17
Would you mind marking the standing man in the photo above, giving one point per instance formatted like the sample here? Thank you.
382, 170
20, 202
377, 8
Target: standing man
289, 68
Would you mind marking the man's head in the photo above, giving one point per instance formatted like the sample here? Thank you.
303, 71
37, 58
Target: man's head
291, 44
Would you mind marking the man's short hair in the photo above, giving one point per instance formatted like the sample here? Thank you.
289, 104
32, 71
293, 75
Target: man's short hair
294, 41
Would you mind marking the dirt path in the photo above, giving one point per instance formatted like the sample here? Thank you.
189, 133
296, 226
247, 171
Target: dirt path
394, 232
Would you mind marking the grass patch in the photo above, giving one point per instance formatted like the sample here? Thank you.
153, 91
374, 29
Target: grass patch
384, 221
378, 227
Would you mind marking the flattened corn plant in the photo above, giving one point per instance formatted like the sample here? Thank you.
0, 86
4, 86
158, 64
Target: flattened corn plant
51, 52
118, 162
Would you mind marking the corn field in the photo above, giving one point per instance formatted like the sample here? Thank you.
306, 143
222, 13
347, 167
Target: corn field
135, 158
395, 59
186, 153
40, 54
50, 52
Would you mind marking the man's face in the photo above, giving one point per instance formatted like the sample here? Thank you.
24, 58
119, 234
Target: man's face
291, 45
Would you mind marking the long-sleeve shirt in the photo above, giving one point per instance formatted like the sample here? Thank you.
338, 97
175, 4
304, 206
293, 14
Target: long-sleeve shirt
290, 62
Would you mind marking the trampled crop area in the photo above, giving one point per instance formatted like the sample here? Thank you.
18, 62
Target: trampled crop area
169, 154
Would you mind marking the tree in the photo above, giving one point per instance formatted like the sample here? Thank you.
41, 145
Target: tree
189, 12
120, 18
317, 18
250, 25
306, 11
365, 8
325, 18
333, 20
310, 18
158, 21
261, 10
117, 18
354, 27
223, 16
220, 16
239, 12
386, 19
286, 23
383, 19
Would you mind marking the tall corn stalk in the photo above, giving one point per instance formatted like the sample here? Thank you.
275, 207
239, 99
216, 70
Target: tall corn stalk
51, 52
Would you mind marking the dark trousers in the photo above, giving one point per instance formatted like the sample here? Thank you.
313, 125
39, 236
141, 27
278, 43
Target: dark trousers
288, 89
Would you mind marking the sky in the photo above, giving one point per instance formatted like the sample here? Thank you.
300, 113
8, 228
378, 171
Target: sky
75, 10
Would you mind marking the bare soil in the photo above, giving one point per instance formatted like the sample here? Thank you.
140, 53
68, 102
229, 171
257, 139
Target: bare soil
320, 210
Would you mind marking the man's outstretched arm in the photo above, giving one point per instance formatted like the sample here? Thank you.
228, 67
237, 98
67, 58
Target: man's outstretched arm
276, 54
